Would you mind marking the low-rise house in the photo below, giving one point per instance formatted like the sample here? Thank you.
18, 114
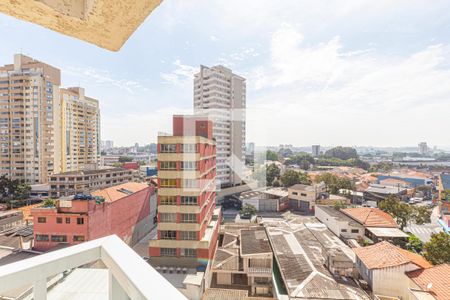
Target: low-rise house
384, 267
244, 260
376, 193
339, 223
303, 197
431, 283
404, 180
75, 182
266, 200
379, 225
126, 210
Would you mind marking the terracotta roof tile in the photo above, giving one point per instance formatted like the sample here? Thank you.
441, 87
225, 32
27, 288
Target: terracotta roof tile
385, 255
371, 217
438, 276
120, 191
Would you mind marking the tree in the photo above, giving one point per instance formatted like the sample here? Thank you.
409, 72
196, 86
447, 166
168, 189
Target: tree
343, 153
437, 249
303, 160
291, 177
13, 190
276, 183
248, 209
272, 172
400, 211
335, 183
384, 167
414, 244
49, 202
338, 205
422, 214
123, 159
285, 152
271, 155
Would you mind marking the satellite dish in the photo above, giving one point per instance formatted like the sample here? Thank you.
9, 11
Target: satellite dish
429, 286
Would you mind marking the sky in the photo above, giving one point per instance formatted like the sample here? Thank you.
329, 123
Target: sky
329, 72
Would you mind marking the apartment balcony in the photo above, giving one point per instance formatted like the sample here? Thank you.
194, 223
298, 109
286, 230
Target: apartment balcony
57, 274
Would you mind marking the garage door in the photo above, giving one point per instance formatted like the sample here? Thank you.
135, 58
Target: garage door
268, 205
303, 206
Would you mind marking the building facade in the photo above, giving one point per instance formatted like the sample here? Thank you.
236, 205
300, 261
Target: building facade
315, 150
76, 182
80, 130
188, 221
125, 210
29, 119
221, 95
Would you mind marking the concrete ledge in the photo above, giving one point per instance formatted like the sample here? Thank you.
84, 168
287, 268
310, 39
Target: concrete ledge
105, 23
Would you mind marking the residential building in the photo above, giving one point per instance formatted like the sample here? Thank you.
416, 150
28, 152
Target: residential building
266, 200
80, 131
188, 221
376, 193
107, 145
126, 210
384, 265
423, 148
244, 259
339, 223
430, 283
221, 95
315, 150
379, 225
312, 261
76, 182
29, 120
303, 197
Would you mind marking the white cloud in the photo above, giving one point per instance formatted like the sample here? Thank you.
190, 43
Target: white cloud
213, 38
181, 76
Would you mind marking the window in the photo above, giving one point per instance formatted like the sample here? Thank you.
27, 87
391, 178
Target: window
189, 183
59, 238
189, 148
168, 165
343, 230
189, 252
188, 218
168, 252
78, 238
188, 165
168, 235
167, 200
42, 237
168, 183
294, 193
189, 235
355, 230
167, 217
303, 194
42, 220
168, 148
59, 220
80, 221
192, 200
67, 220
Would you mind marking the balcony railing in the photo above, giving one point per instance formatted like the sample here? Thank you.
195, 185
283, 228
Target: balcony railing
130, 277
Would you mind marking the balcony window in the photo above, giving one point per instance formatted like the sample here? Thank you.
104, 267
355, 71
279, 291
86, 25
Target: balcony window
168, 183
189, 235
188, 218
167, 217
188, 165
168, 148
42, 237
189, 252
168, 235
168, 252
42, 220
78, 238
189, 148
189, 183
185, 200
80, 221
167, 200
59, 238
168, 165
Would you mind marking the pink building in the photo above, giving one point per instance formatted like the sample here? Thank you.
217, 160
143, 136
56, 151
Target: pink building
125, 210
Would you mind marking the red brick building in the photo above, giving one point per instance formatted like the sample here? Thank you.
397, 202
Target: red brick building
124, 210
188, 221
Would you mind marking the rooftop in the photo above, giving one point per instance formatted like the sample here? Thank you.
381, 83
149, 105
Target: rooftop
254, 242
370, 217
445, 180
385, 255
387, 232
337, 214
438, 276
120, 191
90, 172
386, 190
302, 187
224, 294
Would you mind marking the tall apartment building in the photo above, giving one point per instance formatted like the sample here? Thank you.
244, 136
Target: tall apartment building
188, 221
80, 131
29, 118
315, 150
220, 94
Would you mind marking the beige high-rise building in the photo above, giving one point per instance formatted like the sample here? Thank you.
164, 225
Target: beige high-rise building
29, 116
80, 131
220, 94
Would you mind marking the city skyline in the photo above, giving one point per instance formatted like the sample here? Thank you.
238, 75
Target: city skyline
298, 70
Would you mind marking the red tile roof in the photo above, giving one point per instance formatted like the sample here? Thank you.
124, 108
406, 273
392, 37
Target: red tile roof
385, 255
371, 217
438, 276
